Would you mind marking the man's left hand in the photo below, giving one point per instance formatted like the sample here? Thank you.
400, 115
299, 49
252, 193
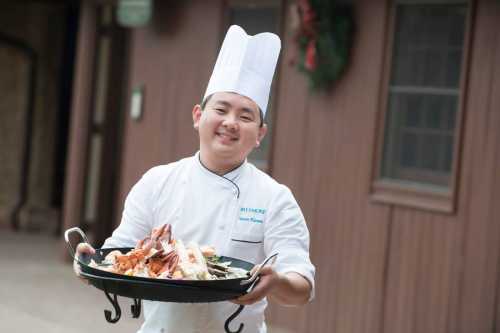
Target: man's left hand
269, 279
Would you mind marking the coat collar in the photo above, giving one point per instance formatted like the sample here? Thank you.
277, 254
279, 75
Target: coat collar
232, 178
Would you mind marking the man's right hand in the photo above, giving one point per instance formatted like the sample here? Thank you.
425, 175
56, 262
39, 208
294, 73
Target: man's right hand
82, 248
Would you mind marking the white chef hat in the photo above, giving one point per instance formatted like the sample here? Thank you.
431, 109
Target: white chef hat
246, 65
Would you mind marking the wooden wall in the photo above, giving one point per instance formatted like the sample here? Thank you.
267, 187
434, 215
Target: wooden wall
476, 303
323, 151
380, 268
384, 268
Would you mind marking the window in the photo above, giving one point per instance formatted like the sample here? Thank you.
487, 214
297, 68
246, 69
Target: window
255, 17
422, 101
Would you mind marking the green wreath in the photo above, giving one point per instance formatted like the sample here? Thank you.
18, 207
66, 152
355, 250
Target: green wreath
324, 40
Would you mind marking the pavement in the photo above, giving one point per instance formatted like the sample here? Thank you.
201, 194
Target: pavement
40, 293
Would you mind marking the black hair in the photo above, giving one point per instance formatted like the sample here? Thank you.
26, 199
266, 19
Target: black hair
206, 99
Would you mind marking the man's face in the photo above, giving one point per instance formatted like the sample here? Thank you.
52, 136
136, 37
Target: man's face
229, 127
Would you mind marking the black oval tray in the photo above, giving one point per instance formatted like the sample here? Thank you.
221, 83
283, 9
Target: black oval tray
182, 291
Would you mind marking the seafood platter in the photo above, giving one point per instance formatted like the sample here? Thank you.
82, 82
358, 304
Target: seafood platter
162, 268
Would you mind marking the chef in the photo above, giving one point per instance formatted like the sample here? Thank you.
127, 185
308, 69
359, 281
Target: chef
218, 198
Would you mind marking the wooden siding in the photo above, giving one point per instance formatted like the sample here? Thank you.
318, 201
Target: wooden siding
380, 268
480, 214
329, 138
385, 268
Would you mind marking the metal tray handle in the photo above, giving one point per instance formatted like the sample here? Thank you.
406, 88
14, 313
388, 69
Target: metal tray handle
68, 243
271, 259
252, 281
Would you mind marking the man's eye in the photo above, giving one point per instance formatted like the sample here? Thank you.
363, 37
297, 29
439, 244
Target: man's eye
220, 110
246, 118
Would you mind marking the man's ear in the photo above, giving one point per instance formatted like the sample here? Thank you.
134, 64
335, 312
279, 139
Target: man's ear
196, 116
262, 134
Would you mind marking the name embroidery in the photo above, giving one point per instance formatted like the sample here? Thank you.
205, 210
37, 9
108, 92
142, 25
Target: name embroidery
252, 210
256, 214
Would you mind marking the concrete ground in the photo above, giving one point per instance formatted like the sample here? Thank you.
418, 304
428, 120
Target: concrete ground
40, 293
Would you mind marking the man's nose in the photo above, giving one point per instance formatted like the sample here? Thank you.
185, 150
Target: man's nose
231, 123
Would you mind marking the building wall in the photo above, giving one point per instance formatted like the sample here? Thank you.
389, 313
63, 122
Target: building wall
380, 268
323, 150
172, 58
386, 268
41, 27
14, 72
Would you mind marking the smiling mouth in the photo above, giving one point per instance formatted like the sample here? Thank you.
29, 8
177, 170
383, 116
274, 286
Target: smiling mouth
226, 136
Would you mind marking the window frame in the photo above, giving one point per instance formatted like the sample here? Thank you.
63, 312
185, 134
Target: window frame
409, 193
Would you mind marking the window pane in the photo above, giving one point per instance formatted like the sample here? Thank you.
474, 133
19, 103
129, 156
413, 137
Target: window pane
423, 93
409, 153
430, 151
448, 153
414, 108
434, 111
428, 45
450, 113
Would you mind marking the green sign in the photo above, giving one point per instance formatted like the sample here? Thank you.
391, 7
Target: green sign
134, 13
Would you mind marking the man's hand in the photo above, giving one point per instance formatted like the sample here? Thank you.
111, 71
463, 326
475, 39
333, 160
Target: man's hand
287, 289
268, 280
81, 249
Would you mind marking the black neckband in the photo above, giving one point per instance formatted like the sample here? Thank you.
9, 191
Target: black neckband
229, 180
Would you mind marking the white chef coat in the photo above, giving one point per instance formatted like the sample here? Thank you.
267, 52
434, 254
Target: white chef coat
244, 214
